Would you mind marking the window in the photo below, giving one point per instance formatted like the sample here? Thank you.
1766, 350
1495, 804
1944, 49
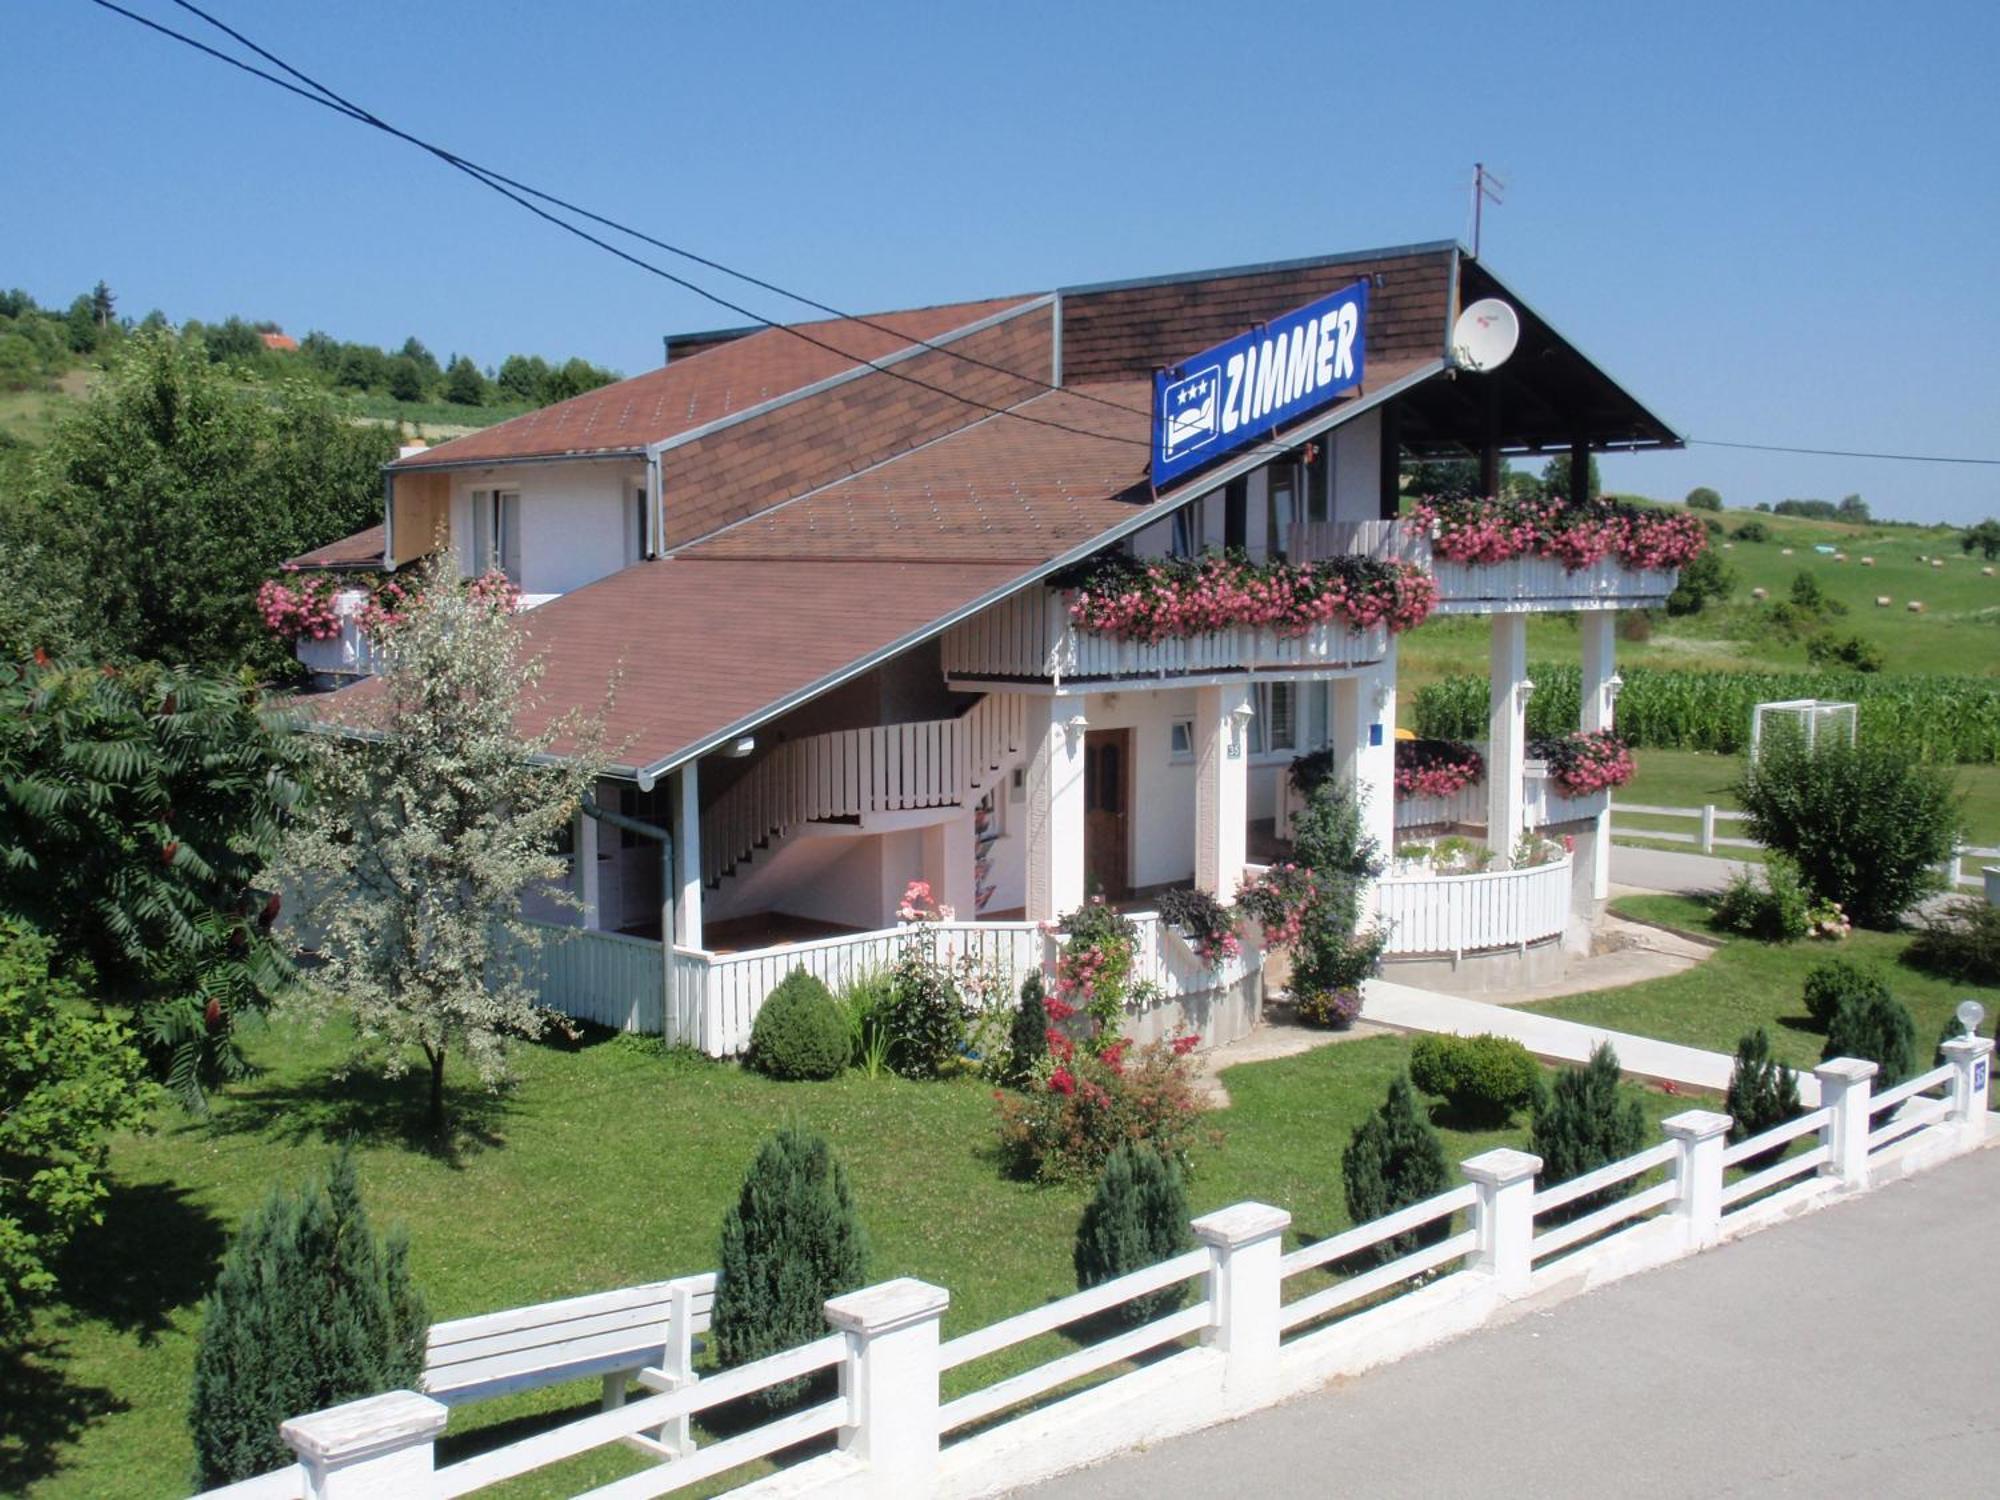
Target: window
1180, 740
1186, 539
1275, 725
496, 532
1236, 515
1282, 510
635, 527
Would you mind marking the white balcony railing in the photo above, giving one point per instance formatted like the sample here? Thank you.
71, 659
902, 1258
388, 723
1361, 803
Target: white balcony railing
1029, 635
346, 654
1526, 585
1431, 915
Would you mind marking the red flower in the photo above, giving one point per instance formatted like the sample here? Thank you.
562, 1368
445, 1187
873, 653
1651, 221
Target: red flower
1063, 1081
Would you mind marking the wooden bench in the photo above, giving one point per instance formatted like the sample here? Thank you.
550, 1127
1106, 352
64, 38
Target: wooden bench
612, 1335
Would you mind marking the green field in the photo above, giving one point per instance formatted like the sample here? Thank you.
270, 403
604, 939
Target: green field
608, 1165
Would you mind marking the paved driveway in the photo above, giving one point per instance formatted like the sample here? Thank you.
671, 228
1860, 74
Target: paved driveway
1845, 1353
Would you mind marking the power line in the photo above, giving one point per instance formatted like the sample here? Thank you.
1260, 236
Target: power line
1908, 458
353, 112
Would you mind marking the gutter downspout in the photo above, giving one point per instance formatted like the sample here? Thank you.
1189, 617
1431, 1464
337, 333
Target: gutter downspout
388, 519
652, 545
667, 894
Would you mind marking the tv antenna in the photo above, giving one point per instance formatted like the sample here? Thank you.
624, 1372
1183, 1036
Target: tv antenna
1485, 186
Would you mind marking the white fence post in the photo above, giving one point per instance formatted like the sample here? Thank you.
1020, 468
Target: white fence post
1504, 1216
890, 1380
1245, 1243
1844, 1088
1971, 1059
677, 1362
1698, 1137
1708, 828
380, 1445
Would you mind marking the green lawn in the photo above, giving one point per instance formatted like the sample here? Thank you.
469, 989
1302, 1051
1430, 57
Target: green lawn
1748, 984
608, 1165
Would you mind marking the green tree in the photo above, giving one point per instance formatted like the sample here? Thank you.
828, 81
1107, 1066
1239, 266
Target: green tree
80, 325
464, 385
1867, 825
406, 380
1705, 578
1763, 1093
426, 831
176, 492
1138, 1217
572, 378
311, 1309
1876, 1027
102, 305
523, 377
67, 1080
1983, 538
1392, 1160
1589, 1122
1701, 497
1443, 478
1852, 508
426, 362
790, 1241
140, 807
1556, 479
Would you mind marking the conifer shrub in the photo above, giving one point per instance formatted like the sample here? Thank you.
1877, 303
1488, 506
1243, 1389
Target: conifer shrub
1028, 1038
1484, 1079
1763, 1093
1879, 1028
310, 1310
1830, 984
800, 1032
1962, 942
1588, 1122
1137, 1218
789, 1243
1392, 1160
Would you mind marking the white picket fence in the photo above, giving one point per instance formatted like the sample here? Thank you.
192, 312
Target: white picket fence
854, 772
1029, 635
1253, 1324
1707, 840
617, 981
1429, 914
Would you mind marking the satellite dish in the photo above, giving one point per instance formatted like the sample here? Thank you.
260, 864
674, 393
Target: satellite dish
1484, 335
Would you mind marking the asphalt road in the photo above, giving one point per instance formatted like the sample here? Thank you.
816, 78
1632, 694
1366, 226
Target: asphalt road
1845, 1353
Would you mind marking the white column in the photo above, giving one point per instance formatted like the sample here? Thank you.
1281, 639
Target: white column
890, 1379
1506, 735
1246, 1242
380, 1445
1599, 697
1375, 752
583, 873
1222, 787
1845, 1085
1054, 789
1971, 1080
1699, 1136
1504, 1216
948, 861
687, 855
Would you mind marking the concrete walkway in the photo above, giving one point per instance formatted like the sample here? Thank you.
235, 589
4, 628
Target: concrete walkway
1402, 1008
1845, 1353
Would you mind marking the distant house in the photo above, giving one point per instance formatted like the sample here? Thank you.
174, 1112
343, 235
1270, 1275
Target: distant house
837, 585
283, 342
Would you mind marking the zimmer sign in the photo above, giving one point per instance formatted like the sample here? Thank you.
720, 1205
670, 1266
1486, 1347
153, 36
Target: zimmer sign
1239, 391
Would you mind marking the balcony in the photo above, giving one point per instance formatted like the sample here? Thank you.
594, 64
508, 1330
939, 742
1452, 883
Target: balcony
1029, 637
347, 653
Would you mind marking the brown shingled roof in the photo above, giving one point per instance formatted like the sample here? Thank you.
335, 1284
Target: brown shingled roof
716, 383
362, 550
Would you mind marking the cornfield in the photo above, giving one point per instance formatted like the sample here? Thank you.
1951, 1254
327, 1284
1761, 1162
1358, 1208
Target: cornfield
1942, 719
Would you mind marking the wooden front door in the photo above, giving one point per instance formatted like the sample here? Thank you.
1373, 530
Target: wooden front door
1107, 798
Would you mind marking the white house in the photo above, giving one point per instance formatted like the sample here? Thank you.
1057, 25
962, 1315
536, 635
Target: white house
827, 567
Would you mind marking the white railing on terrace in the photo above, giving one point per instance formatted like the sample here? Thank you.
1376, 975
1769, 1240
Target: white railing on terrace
851, 773
1429, 914
1525, 585
1237, 1344
617, 981
347, 653
1029, 635
1384, 541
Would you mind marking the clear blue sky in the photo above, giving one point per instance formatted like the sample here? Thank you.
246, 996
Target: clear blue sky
1773, 222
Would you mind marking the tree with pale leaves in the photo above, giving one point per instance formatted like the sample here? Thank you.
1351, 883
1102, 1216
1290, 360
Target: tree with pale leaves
435, 815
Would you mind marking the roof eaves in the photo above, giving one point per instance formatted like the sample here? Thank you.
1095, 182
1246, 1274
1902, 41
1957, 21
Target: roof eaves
1306, 263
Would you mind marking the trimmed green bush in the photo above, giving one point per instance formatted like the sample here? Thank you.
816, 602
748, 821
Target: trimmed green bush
1484, 1079
1137, 1218
1588, 1122
790, 1242
1866, 823
310, 1310
1962, 942
1835, 981
1392, 1160
1878, 1028
1776, 909
1763, 1093
800, 1032
1028, 1039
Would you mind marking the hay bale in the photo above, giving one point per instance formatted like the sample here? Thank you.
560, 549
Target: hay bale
1986, 572
1937, 562
1915, 606
1784, 552
1840, 557
1760, 593
1867, 562
1883, 601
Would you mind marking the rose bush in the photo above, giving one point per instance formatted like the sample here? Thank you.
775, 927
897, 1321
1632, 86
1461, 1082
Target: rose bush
1067, 1122
1436, 768
1588, 761
1161, 599
1484, 530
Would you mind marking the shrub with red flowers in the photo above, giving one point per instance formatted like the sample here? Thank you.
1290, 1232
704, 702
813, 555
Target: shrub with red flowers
1279, 897
1092, 980
300, 607
1586, 762
1064, 1125
1484, 530
1205, 922
1436, 768
1163, 599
